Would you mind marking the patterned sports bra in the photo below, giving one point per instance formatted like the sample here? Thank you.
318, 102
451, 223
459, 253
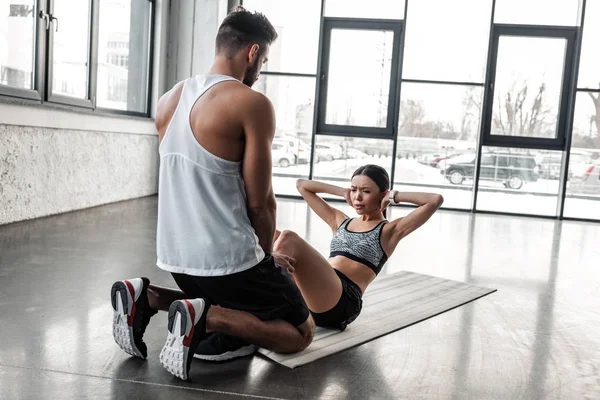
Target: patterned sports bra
362, 247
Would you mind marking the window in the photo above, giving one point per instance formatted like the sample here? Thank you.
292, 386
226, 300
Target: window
17, 44
537, 12
70, 49
296, 47
384, 9
365, 101
124, 42
511, 180
448, 44
589, 67
293, 99
337, 158
583, 187
437, 140
85, 53
528, 93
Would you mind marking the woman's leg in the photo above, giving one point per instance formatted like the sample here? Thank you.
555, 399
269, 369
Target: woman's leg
315, 277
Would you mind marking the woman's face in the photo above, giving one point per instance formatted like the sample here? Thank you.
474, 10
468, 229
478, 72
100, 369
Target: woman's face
365, 195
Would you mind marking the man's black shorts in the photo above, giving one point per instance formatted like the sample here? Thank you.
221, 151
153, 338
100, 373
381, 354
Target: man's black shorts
264, 290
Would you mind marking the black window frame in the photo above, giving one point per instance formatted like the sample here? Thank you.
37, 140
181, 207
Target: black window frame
389, 131
560, 141
41, 93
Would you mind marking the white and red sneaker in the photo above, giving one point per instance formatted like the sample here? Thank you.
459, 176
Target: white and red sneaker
132, 314
187, 327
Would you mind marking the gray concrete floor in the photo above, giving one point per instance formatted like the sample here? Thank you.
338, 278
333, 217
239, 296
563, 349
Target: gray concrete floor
538, 337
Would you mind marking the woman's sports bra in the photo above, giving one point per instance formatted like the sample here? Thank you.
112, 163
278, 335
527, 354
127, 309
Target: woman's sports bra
362, 247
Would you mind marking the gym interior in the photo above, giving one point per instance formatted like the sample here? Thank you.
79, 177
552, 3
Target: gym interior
494, 104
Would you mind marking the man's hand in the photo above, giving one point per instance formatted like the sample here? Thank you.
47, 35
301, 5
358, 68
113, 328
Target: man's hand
284, 261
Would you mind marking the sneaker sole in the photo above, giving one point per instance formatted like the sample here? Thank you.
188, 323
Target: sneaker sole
230, 355
122, 303
174, 353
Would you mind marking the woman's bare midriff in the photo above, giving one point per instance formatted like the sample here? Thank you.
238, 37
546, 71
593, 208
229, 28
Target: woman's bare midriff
357, 272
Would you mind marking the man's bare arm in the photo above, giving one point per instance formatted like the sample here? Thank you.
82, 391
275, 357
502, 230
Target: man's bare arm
259, 129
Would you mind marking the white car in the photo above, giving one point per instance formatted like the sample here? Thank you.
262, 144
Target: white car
587, 182
328, 151
282, 154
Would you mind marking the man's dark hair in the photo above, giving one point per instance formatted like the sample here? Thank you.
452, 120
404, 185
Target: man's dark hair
242, 28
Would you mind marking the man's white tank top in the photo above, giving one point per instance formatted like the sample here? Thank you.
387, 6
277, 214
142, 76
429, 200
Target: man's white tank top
203, 224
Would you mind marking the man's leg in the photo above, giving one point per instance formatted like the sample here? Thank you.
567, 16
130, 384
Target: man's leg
190, 320
279, 336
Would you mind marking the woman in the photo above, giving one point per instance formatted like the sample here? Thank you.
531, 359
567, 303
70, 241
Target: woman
333, 287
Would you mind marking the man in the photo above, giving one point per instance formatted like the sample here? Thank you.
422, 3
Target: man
216, 216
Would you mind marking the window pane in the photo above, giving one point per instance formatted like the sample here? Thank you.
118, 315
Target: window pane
537, 12
583, 189
293, 99
439, 125
17, 43
297, 30
358, 87
70, 52
589, 67
384, 9
527, 93
336, 158
449, 44
123, 53
519, 181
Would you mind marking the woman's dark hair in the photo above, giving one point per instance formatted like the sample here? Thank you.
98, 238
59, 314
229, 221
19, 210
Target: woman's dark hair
378, 175
241, 28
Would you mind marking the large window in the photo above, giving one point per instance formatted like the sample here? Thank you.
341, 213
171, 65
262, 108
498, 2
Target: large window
17, 43
448, 44
383, 9
297, 27
336, 158
589, 67
537, 12
472, 99
519, 180
88, 53
438, 132
289, 81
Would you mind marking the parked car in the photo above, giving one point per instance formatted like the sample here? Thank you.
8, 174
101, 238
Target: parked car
587, 182
355, 153
303, 153
328, 151
282, 154
513, 170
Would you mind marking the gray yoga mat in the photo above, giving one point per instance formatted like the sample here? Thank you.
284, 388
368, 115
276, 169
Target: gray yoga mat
390, 303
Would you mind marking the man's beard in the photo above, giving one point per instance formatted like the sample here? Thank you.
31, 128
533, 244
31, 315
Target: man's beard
251, 75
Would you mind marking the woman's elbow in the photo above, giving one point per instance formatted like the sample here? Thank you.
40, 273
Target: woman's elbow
438, 200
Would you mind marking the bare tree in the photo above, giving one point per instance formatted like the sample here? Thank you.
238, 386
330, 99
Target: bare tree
513, 117
472, 104
412, 117
596, 100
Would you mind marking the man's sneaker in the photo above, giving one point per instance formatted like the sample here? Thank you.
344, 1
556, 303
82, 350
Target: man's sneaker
187, 328
221, 347
132, 314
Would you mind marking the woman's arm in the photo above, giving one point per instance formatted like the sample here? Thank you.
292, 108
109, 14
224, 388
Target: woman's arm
400, 228
309, 189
